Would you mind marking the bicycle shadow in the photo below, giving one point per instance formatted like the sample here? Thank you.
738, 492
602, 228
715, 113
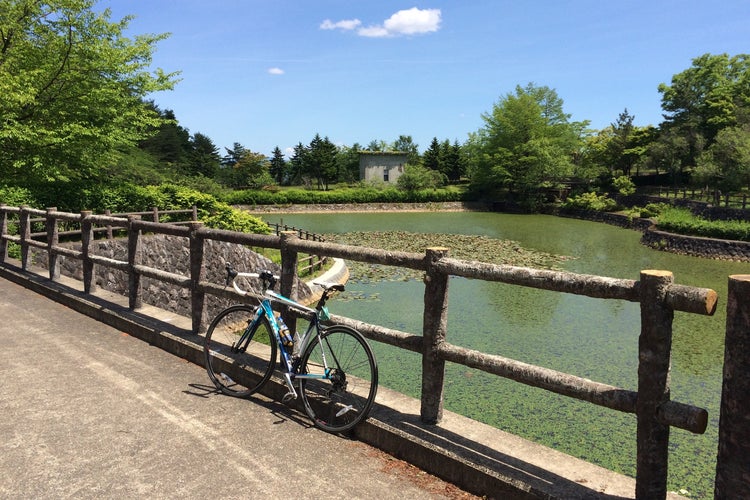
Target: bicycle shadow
282, 411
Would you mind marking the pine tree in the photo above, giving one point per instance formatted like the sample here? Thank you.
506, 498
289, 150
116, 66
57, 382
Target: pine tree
278, 166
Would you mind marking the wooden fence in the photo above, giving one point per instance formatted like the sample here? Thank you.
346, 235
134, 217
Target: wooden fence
311, 263
655, 291
713, 196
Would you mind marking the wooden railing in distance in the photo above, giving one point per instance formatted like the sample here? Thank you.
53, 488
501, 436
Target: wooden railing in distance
306, 264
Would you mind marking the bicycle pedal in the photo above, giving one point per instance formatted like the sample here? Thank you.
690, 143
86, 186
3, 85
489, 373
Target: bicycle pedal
289, 396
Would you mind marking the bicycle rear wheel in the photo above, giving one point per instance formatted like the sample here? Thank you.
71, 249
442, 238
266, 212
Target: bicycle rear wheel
344, 398
239, 372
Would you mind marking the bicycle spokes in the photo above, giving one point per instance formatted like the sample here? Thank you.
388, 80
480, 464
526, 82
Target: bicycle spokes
338, 397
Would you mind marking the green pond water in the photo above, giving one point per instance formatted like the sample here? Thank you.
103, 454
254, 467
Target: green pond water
591, 338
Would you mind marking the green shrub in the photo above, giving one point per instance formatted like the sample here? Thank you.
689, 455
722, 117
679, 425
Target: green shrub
226, 217
17, 196
590, 201
365, 194
682, 221
623, 185
653, 209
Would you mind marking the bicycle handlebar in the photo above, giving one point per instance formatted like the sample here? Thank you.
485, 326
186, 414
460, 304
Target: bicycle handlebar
269, 279
269, 282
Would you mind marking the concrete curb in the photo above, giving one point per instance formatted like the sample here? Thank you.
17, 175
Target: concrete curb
479, 459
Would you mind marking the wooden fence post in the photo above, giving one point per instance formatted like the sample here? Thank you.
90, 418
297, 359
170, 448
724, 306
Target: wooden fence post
3, 232
134, 258
197, 296
87, 236
288, 287
110, 235
434, 327
654, 353
53, 238
733, 464
24, 230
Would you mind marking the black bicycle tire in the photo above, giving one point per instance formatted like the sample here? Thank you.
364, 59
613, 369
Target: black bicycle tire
307, 386
241, 361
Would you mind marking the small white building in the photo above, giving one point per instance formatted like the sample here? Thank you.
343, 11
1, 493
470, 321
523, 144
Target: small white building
384, 166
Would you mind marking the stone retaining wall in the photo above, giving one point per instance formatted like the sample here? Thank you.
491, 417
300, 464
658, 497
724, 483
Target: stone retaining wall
696, 246
710, 248
170, 254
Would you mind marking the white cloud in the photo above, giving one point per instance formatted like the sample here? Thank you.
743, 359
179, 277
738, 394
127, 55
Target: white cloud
275, 71
412, 21
373, 32
346, 24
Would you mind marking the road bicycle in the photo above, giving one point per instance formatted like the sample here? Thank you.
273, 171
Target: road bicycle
333, 367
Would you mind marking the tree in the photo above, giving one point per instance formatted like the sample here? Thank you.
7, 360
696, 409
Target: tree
204, 156
320, 162
297, 164
348, 162
431, 157
278, 166
170, 143
226, 174
406, 144
621, 130
233, 155
455, 163
527, 143
726, 163
416, 177
72, 90
668, 153
714, 93
252, 171
377, 145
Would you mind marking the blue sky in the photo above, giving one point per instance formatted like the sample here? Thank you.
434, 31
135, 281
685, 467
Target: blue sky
269, 73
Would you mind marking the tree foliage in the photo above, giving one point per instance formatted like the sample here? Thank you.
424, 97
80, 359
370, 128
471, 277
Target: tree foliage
277, 168
527, 142
406, 144
713, 94
71, 89
417, 177
726, 163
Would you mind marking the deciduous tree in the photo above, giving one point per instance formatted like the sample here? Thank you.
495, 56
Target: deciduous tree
72, 89
714, 93
527, 143
726, 163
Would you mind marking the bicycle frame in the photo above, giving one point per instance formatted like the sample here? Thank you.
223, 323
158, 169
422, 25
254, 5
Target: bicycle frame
336, 368
265, 309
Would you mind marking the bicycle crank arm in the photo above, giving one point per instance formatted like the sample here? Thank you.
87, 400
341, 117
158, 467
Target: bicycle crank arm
292, 394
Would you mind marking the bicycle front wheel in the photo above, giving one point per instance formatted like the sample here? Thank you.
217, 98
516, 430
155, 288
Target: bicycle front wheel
237, 367
341, 398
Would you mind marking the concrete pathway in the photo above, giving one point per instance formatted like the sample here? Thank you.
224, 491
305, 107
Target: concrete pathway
87, 411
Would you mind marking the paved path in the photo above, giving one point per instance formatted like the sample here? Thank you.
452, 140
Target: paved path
87, 411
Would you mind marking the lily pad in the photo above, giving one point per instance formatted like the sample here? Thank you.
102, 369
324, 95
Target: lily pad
462, 246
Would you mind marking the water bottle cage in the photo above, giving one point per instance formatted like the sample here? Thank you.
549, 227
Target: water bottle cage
323, 314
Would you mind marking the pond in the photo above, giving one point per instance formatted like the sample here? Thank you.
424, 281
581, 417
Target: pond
591, 338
